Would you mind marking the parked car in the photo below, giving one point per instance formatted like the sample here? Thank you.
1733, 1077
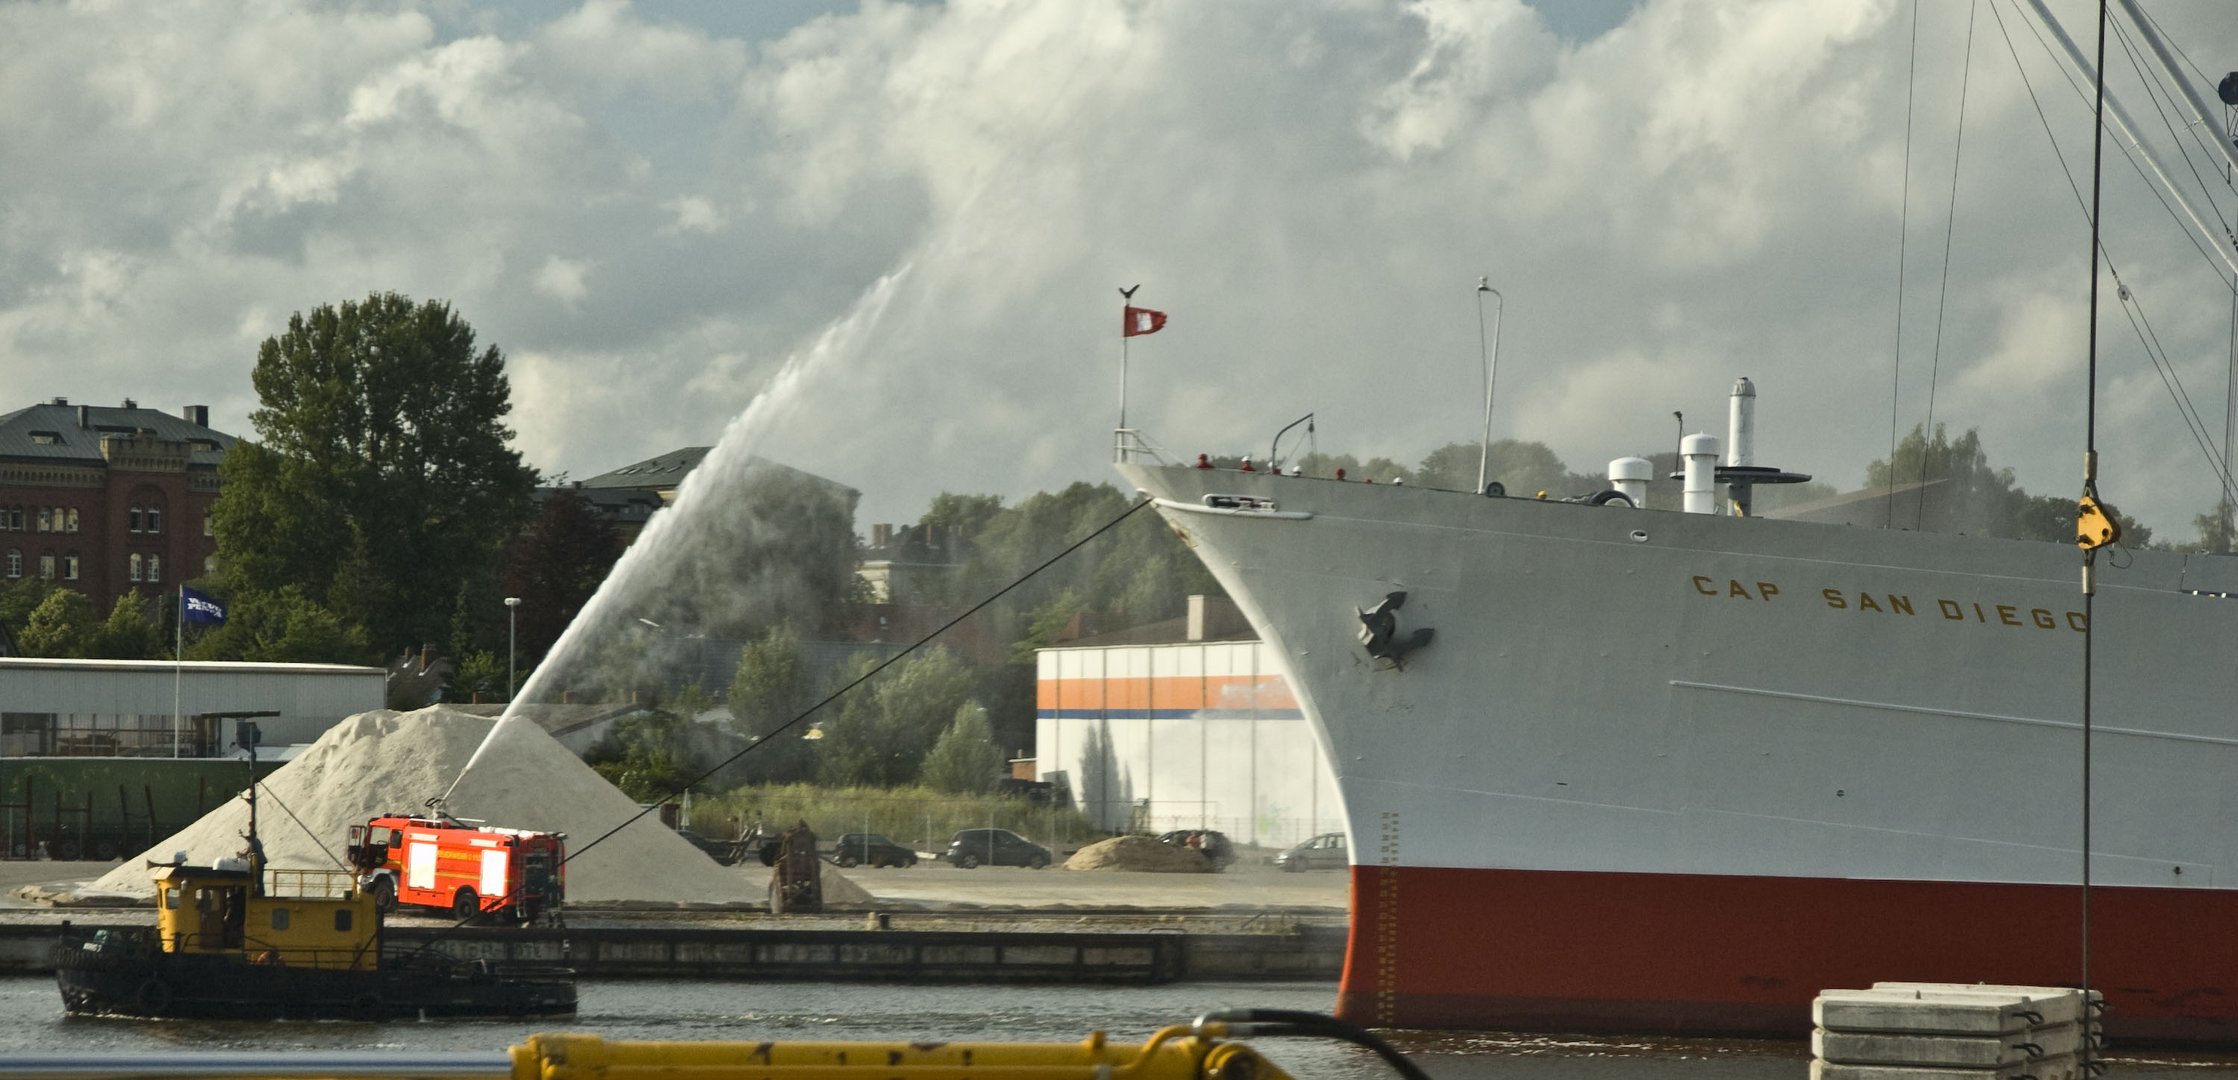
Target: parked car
995, 847
1323, 852
857, 848
726, 852
1210, 843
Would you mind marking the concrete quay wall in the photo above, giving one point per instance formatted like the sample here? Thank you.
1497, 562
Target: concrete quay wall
893, 956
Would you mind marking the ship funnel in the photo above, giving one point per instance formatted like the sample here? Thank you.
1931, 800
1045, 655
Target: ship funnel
1630, 475
1699, 452
1740, 443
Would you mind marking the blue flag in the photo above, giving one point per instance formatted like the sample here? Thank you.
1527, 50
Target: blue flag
197, 608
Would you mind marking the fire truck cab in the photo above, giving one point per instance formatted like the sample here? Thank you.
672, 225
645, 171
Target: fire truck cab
460, 867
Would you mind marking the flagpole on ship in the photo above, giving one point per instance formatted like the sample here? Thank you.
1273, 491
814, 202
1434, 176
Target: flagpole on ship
1132, 321
1119, 435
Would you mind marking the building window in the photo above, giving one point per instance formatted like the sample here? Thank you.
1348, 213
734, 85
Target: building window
73, 513
209, 565
15, 518
135, 518
155, 568
155, 519
15, 563
46, 520
46, 567
134, 564
70, 567
206, 526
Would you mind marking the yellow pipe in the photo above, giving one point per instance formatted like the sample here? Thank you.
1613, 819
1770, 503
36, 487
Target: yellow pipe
1175, 1053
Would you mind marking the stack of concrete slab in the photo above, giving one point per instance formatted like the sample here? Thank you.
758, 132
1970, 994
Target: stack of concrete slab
1955, 1031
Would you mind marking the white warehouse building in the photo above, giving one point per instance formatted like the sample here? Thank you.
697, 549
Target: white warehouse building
146, 708
1186, 735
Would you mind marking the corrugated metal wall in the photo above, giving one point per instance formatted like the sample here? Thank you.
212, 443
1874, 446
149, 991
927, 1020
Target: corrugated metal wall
1198, 735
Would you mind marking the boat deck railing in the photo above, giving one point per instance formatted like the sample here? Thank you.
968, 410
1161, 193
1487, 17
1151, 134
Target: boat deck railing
299, 884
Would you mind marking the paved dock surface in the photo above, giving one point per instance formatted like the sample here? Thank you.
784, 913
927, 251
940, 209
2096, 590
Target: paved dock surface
936, 886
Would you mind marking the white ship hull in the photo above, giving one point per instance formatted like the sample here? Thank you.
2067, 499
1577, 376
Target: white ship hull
1669, 772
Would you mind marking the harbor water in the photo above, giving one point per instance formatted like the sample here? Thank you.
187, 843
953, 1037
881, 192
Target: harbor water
709, 1011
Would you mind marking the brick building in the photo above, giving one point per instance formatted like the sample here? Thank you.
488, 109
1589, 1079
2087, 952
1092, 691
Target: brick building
106, 499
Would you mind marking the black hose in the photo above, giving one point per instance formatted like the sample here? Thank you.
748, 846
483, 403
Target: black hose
1286, 1023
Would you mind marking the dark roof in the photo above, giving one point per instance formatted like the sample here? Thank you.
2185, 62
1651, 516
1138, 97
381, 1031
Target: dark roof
77, 432
665, 472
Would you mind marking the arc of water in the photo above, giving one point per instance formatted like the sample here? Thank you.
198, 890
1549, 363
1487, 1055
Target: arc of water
674, 525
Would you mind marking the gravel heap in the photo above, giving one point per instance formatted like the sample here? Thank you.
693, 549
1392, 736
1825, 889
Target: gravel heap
1139, 853
385, 762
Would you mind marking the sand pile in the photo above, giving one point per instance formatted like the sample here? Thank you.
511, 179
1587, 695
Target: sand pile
385, 762
1138, 853
840, 890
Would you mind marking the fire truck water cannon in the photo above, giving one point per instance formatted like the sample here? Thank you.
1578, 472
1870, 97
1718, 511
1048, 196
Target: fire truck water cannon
468, 870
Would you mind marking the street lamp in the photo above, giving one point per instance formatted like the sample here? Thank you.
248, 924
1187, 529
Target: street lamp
512, 642
1491, 368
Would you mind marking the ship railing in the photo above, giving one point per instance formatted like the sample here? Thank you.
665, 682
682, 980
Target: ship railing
84, 948
309, 884
1129, 446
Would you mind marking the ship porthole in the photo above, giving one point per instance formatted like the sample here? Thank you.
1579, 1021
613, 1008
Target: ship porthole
1639, 536
153, 997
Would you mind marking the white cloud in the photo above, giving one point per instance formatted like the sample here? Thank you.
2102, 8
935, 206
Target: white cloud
562, 279
1708, 189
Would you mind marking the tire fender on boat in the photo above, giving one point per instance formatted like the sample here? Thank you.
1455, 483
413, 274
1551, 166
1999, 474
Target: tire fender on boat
153, 997
367, 1007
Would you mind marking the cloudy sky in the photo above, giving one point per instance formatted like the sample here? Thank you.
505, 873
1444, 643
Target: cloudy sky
653, 208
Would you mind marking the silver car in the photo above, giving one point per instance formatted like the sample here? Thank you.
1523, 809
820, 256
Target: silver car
1323, 852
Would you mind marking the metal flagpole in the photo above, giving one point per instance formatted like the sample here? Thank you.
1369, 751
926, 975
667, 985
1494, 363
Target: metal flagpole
1122, 380
178, 662
1119, 437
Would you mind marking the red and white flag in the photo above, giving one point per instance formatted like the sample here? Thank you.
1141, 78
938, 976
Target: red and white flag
1142, 320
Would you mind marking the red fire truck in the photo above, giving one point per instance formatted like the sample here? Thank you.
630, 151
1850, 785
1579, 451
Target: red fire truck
460, 867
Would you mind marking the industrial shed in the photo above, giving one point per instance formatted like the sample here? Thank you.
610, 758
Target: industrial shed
1186, 724
126, 708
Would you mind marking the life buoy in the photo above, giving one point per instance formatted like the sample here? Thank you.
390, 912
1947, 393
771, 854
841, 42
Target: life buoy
153, 998
1603, 498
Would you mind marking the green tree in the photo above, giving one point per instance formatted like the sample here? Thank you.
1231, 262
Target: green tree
965, 760
478, 676
2218, 528
19, 598
131, 631
772, 688
1956, 488
285, 626
1523, 468
883, 730
555, 566
962, 515
380, 424
63, 626
645, 755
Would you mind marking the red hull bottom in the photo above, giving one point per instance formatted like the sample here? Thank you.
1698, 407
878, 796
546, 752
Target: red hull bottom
1680, 954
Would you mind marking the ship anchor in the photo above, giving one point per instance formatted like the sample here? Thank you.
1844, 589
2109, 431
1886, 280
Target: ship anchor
1379, 632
